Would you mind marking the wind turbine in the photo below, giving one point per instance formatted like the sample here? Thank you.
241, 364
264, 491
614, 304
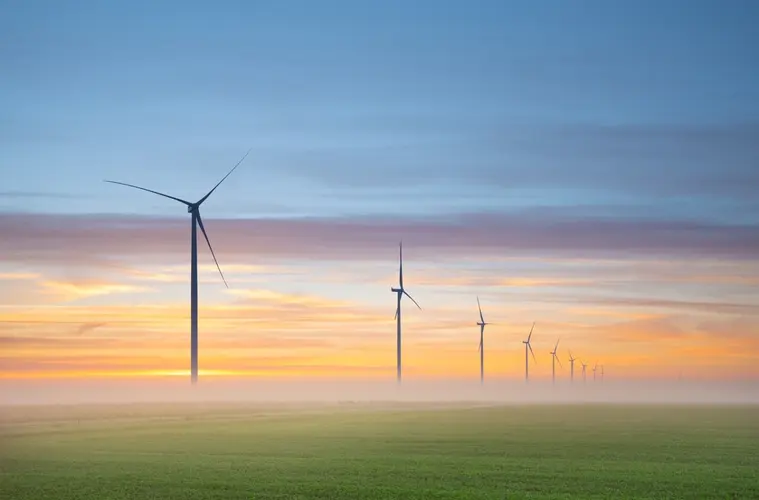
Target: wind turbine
554, 359
400, 291
594, 371
527, 359
602, 374
194, 210
584, 366
571, 368
481, 324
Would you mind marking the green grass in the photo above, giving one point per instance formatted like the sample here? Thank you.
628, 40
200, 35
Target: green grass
369, 452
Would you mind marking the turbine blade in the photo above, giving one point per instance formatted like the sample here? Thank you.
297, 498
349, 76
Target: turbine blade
412, 299
557, 344
223, 179
530, 335
557, 359
479, 347
396, 312
203, 230
180, 200
480, 309
533, 354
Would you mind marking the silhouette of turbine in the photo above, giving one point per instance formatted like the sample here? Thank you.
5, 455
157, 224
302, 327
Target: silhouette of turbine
554, 359
194, 210
400, 292
528, 346
481, 324
571, 368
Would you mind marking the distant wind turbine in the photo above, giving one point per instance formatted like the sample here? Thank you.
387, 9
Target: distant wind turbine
554, 359
594, 371
194, 210
571, 368
602, 374
584, 366
526, 358
400, 291
481, 324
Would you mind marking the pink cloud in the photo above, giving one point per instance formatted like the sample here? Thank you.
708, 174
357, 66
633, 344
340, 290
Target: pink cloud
104, 238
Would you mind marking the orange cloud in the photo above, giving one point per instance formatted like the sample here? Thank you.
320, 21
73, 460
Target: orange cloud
74, 290
18, 276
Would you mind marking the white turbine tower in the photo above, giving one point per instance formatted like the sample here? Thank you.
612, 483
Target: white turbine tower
528, 346
481, 348
196, 220
400, 292
554, 359
594, 371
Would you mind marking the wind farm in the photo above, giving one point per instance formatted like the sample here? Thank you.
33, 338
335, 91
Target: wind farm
586, 177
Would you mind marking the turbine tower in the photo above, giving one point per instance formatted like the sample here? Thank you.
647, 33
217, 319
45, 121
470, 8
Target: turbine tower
584, 366
602, 374
594, 371
527, 347
194, 210
571, 368
481, 324
554, 359
400, 292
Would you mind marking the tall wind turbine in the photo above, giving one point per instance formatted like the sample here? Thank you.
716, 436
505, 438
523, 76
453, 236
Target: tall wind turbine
481, 324
594, 371
400, 291
194, 210
584, 366
554, 359
571, 367
602, 374
526, 358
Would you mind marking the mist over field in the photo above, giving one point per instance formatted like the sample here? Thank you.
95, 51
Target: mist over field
329, 391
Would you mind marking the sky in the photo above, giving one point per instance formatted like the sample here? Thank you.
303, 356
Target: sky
588, 166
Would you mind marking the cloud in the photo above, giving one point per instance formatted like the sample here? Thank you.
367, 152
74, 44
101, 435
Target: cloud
18, 276
642, 159
286, 299
75, 290
660, 303
38, 194
89, 327
101, 240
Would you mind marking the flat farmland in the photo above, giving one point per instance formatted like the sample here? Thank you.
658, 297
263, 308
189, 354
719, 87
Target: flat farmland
378, 451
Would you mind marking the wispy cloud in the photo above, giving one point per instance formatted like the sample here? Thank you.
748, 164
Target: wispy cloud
74, 290
684, 159
18, 276
38, 194
92, 239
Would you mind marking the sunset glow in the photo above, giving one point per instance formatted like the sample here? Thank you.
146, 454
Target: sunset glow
596, 188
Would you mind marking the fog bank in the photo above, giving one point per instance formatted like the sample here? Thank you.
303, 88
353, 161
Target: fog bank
24, 392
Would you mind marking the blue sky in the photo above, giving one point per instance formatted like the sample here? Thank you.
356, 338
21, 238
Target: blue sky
438, 106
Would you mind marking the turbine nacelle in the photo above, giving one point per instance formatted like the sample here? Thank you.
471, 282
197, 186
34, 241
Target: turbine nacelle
396, 290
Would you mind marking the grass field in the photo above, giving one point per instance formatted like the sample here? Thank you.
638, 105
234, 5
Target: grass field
373, 451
